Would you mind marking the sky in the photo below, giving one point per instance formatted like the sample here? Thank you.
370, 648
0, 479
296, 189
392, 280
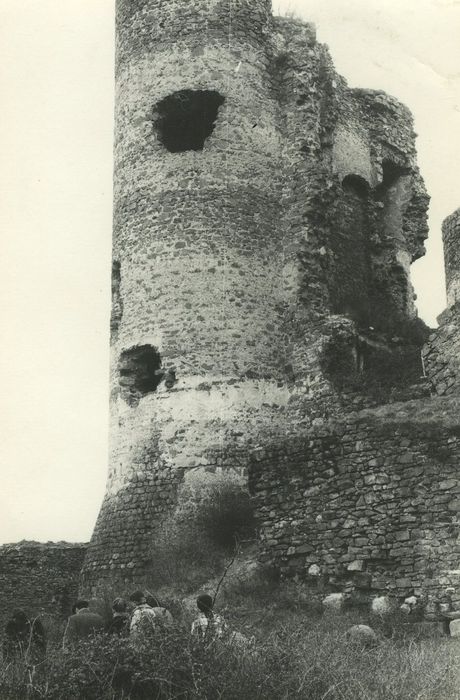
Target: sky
56, 87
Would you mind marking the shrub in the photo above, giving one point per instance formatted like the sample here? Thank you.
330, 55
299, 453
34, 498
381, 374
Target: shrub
224, 512
212, 513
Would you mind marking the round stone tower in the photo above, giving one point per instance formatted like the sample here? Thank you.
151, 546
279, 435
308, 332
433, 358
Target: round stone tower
197, 332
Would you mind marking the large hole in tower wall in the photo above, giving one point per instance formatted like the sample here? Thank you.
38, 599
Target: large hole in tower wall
185, 119
139, 372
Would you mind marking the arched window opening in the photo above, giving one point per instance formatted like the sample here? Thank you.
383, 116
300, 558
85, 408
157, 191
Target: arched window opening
139, 372
185, 119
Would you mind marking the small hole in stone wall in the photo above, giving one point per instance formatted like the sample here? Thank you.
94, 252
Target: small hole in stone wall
139, 371
185, 119
356, 184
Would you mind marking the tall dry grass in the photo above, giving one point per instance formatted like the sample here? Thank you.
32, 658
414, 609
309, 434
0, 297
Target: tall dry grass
301, 656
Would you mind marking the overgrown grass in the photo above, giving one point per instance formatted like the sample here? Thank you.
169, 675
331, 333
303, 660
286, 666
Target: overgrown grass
303, 658
296, 652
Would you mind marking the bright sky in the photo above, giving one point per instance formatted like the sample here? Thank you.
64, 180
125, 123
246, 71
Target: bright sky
56, 87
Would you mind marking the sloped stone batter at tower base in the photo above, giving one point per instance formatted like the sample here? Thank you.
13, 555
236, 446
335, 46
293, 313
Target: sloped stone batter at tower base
263, 320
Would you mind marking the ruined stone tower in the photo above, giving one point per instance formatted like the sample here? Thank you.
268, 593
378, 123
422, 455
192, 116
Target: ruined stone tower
266, 216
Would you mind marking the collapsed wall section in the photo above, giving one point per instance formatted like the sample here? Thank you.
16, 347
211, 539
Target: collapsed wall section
354, 204
369, 503
378, 221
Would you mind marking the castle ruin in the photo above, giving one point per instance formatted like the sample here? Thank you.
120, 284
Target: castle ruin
263, 320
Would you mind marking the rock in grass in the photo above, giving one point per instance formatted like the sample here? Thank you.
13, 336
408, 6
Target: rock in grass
362, 635
381, 605
333, 602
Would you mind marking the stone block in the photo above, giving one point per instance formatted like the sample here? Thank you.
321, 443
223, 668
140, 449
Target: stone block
333, 602
356, 565
314, 570
362, 636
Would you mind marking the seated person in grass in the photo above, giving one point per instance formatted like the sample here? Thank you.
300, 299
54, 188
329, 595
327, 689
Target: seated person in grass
163, 615
208, 626
147, 619
119, 624
82, 624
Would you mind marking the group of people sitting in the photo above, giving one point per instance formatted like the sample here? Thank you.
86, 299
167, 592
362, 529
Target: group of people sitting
145, 614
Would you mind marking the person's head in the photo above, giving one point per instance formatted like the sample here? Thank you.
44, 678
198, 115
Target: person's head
80, 604
138, 597
119, 605
204, 604
152, 601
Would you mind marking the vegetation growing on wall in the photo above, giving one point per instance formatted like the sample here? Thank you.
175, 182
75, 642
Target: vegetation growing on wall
213, 513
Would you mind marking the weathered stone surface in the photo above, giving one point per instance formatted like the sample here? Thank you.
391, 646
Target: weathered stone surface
454, 628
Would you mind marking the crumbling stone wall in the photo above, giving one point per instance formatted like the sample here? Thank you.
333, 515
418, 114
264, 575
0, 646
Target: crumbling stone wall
367, 503
451, 241
42, 579
441, 354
